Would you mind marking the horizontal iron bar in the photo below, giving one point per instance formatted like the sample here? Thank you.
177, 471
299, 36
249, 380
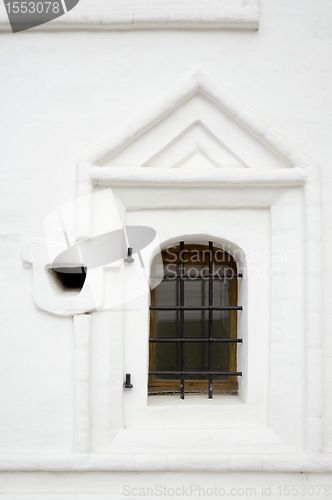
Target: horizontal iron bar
196, 340
195, 308
188, 276
237, 374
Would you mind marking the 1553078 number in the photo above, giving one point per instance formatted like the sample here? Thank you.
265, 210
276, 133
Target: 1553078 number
33, 7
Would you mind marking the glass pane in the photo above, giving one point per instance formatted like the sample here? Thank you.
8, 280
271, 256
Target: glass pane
196, 324
220, 359
221, 323
171, 269
167, 358
196, 354
221, 298
167, 324
167, 293
196, 359
196, 289
167, 355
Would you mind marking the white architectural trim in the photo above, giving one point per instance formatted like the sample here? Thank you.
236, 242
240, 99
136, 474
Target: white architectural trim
197, 82
302, 170
299, 171
232, 14
82, 326
181, 462
126, 176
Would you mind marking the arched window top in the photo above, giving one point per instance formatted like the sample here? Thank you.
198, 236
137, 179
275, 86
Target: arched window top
193, 322
197, 253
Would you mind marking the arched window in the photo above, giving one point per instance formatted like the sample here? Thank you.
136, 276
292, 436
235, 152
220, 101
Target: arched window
193, 322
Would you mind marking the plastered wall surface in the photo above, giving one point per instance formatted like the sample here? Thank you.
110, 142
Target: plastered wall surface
62, 93
240, 14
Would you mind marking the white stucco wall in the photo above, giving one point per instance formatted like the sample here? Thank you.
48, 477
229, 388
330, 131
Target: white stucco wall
62, 93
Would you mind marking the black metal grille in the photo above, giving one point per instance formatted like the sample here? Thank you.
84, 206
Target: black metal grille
182, 308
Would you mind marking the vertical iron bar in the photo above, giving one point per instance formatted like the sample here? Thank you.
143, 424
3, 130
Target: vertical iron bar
210, 315
182, 316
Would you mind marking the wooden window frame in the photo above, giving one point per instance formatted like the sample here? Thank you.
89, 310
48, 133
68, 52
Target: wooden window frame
158, 386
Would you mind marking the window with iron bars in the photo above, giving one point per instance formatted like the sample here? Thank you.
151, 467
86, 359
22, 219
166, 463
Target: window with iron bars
193, 322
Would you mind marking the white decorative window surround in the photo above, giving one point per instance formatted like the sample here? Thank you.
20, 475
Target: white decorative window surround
134, 14
200, 165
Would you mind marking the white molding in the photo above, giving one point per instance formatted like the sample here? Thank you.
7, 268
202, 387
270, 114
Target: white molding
171, 462
82, 415
197, 16
197, 82
299, 171
165, 177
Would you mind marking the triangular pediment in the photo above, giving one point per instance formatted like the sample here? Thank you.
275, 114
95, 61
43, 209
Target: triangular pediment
196, 125
195, 147
196, 160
